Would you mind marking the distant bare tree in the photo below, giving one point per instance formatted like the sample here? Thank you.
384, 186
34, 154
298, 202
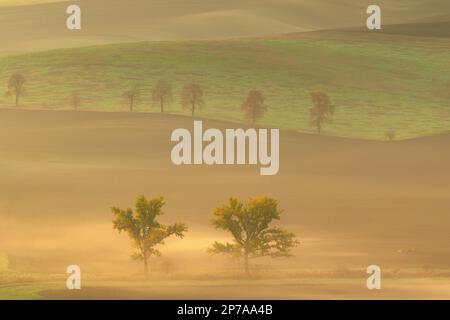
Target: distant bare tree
131, 96
74, 100
168, 267
16, 86
390, 135
192, 97
254, 106
162, 94
322, 110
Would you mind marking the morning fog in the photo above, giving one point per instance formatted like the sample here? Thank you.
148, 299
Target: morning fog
234, 146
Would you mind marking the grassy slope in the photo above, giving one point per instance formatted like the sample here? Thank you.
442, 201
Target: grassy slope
378, 83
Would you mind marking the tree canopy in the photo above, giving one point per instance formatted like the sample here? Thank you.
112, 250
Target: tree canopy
250, 226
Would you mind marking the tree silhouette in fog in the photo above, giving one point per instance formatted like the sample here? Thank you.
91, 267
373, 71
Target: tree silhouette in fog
131, 96
322, 110
254, 106
74, 100
142, 227
250, 226
16, 86
162, 94
192, 97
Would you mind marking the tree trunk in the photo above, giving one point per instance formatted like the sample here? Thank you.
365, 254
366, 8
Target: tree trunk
319, 128
131, 105
17, 100
162, 105
193, 109
246, 268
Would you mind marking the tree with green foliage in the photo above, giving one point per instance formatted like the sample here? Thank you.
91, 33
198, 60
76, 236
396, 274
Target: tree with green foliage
322, 110
254, 106
131, 96
250, 225
144, 229
16, 86
192, 97
390, 135
162, 94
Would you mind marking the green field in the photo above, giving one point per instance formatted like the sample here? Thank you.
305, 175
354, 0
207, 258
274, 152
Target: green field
378, 84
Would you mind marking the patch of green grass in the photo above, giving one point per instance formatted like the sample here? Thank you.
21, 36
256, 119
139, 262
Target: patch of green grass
376, 86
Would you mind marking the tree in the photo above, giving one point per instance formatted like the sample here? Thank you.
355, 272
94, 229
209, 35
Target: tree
250, 226
74, 100
16, 86
254, 106
131, 96
192, 97
162, 94
143, 228
322, 110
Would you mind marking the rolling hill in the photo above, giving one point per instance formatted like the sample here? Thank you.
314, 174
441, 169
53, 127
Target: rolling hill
41, 26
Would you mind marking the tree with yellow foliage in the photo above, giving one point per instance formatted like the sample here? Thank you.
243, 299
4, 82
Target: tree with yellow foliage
250, 225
